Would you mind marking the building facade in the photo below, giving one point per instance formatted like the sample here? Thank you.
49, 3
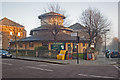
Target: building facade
10, 31
53, 34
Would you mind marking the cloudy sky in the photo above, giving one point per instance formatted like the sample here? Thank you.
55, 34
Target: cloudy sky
26, 13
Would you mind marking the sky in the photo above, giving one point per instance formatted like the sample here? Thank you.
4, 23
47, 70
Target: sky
26, 13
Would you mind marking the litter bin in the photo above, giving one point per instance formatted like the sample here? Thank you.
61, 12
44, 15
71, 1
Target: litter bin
89, 56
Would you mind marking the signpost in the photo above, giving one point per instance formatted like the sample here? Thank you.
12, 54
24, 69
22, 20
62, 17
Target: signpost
77, 39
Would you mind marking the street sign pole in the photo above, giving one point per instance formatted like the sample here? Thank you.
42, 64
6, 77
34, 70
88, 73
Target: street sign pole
77, 40
77, 48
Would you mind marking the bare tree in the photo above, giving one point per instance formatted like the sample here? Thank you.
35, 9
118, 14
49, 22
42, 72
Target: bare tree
55, 23
95, 24
55, 7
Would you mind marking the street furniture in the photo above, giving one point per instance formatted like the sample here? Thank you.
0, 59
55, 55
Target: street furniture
69, 56
61, 55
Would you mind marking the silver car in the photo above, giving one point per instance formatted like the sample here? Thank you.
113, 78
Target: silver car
5, 54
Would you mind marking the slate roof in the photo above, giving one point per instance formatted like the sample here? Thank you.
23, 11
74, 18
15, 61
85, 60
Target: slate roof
62, 37
47, 36
8, 22
51, 14
46, 28
77, 26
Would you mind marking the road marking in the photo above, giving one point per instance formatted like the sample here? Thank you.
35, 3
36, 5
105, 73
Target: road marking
57, 65
40, 68
6, 63
54, 64
42, 65
95, 76
116, 67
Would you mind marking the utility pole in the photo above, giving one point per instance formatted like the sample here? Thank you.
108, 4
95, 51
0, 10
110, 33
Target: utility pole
104, 32
105, 41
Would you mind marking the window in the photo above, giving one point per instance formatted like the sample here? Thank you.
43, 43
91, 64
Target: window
74, 47
18, 33
31, 44
83, 44
64, 31
44, 44
20, 45
11, 33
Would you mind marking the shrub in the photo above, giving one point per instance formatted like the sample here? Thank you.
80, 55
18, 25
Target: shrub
41, 48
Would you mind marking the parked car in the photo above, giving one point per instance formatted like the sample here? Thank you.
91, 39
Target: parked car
5, 54
115, 54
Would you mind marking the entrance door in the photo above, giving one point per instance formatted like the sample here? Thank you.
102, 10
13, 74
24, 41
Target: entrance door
74, 47
69, 46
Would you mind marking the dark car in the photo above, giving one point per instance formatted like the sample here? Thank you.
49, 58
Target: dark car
115, 54
5, 54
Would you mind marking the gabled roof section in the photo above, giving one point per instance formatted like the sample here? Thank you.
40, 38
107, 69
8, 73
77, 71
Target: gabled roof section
8, 22
77, 26
51, 14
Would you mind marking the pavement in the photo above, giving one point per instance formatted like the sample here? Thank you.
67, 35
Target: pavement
101, 60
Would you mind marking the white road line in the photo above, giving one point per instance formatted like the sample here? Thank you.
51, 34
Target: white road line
82, 74
116, 67
42, 65
6, 63
40, 68
57, 64
95, 76
54, 64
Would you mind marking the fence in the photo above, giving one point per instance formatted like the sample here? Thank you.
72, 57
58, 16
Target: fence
80, 55
33, 53
47, 54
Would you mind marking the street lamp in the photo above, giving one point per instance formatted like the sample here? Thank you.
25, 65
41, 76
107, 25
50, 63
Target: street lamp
104, 32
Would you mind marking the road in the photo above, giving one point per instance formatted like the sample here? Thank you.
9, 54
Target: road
13, 68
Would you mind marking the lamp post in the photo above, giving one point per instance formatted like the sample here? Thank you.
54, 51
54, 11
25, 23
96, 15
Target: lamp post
104, 32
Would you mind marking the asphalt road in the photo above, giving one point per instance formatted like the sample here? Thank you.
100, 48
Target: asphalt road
13, 68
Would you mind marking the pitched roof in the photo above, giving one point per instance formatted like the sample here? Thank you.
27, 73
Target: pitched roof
46, 28
62, 37
77, 26
51, 14
8, 22
80, 29
82, 34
